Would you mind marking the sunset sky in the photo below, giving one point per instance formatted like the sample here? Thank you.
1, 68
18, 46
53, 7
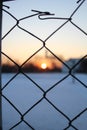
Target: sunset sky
68, 42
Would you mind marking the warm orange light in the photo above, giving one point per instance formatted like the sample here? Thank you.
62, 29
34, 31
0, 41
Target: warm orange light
43, 65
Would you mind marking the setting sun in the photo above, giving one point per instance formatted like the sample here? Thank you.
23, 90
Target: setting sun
43, 65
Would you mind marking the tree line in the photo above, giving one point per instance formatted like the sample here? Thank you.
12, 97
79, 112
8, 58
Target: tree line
82, 67
32, 68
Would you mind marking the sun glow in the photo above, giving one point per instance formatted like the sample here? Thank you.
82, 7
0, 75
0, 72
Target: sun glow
43, 65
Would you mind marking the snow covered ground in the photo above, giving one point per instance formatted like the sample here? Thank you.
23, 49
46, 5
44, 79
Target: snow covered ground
69, 97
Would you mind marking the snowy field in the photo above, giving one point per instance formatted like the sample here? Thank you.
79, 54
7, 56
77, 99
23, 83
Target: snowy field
69, 97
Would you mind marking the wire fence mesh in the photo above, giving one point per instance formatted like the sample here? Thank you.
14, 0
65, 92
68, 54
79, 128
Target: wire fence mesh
43, 16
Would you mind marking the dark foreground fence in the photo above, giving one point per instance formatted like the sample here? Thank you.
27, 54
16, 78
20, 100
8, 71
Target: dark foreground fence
47, 15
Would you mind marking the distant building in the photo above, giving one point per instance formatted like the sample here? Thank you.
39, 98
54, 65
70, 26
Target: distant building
71, 62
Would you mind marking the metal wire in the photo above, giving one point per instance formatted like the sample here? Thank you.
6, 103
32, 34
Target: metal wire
43, 16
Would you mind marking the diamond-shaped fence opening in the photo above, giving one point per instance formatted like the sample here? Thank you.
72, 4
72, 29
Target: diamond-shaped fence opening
27, 89
55, 97
49, 114
67, 96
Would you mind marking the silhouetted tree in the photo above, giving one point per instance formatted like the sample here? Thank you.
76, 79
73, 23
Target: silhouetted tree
83, 67
6, 68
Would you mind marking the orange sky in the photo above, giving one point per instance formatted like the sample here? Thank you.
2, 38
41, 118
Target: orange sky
68, 42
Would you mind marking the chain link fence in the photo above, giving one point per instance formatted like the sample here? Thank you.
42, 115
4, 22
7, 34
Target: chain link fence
43, 16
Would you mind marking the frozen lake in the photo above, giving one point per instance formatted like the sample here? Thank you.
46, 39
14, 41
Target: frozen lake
68, 97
